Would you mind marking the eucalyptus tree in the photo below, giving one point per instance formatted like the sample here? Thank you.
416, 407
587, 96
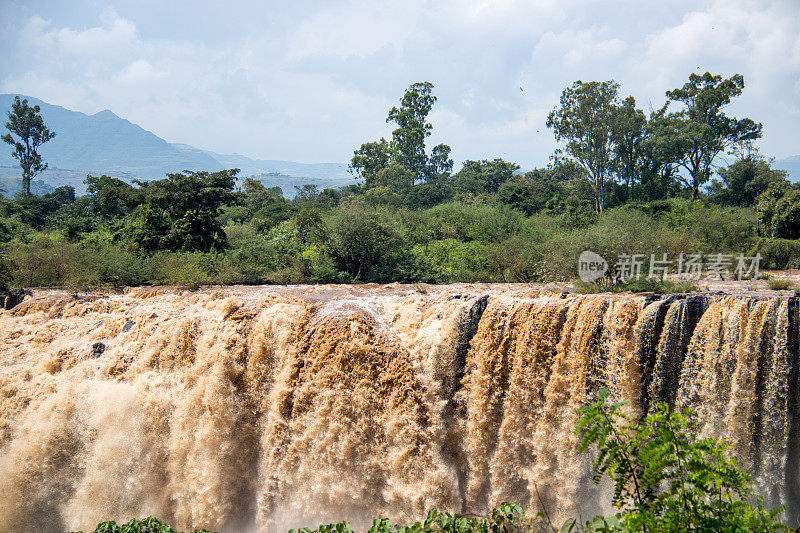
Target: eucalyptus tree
26, 124
406, 148
584, 119
702, 126
629, 129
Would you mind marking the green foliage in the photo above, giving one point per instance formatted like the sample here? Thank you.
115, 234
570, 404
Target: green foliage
460, 261
585, 119
408, 139
779, 284
637, 285
550, 189
411, 220
743, 181
777, 254
483, 177
25, 123
629, 130
785, 222
151, 524
400, 164
702, 130
407, 265
179, 213
504, 519
487, 223
369, 159
360, 238
665, 478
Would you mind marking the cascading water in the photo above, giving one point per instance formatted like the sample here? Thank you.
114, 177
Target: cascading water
257, 409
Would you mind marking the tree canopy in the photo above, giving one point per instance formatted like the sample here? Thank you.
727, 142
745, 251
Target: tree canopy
27, 125
402, 162
703, 130
585, 119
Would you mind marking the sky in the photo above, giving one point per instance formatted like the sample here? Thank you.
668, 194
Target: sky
310, 81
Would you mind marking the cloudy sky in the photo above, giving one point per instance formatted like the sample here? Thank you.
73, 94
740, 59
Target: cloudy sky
310, 81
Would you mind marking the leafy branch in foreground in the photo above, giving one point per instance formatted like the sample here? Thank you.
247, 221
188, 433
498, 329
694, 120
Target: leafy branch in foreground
666, 479
151, 524
506, 518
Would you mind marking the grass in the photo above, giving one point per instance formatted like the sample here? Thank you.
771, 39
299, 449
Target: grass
779, 284
637, 285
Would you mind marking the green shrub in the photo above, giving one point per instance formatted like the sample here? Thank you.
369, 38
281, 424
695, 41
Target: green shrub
777, 254
664, 477
779, 284
517, 260
460, 261
194, 269
618, 231
637, 285
407, 266
150, 524
361, 238
474, 222
321, 267
786, 219
504, 519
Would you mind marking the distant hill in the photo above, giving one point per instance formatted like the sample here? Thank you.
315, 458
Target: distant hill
288, 183
248, 166
790, 165
106, 143
13, 185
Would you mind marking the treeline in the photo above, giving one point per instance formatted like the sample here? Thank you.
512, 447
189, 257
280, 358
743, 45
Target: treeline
623, 183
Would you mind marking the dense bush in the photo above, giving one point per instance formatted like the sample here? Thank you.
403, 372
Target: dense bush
637, 285
777, 253
150, 524
194, 229
506, 518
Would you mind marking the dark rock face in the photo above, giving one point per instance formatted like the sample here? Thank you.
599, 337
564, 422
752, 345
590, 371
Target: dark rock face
9, 298
97, 349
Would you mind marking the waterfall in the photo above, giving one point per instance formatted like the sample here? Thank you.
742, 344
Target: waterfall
266, 408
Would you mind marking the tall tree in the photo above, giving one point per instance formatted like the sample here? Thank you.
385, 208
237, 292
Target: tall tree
413, 127
407, 146
628, 131
25, 122
440, 164
584, 119
483, 177
180, 212
370, 159
704, 129
744, 180
659, 151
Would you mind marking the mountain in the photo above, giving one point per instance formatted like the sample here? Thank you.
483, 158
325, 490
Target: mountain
790, 165
332, 171
107, 143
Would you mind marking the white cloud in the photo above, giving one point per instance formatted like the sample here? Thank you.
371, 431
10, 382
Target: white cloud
320, 83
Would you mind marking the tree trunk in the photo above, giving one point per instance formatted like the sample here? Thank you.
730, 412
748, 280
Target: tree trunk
598, 195
26, 184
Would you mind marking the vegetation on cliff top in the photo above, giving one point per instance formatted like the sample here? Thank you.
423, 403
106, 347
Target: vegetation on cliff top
624, 182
